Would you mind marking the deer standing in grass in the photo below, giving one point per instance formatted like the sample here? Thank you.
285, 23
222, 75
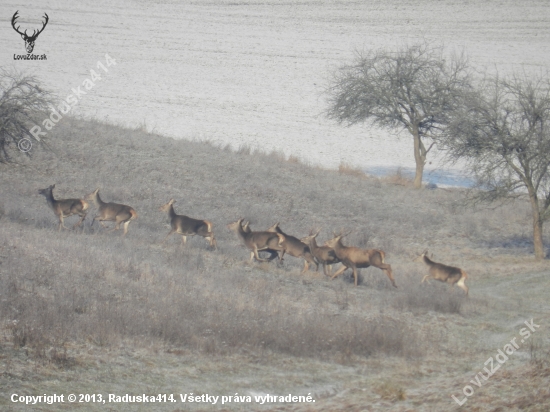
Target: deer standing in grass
323, 254
65, 207
112, 212
443, 273
353, 257
187, 226
294, 247
257, 241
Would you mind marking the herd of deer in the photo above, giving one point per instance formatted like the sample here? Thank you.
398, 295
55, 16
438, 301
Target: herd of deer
273, 240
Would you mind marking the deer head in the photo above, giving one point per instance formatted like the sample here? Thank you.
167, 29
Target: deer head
29, 40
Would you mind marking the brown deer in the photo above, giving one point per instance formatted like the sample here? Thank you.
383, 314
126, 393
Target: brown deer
353, 257
294, 247
273, 253
112, 212
187, 226
443, 273
323, 254
65, 207
257, 241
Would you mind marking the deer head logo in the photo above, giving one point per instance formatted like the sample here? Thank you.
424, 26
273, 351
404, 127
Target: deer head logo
29, 40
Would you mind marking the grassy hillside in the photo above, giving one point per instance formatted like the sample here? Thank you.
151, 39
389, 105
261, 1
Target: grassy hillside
89, 311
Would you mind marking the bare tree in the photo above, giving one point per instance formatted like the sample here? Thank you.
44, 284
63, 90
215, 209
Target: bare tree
23, 103
416, 88
504, 136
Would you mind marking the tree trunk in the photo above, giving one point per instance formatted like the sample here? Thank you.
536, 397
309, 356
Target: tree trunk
537, 225
419, 158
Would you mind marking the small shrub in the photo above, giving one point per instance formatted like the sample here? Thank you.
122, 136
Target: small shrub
347, 169
398, 178
390, 391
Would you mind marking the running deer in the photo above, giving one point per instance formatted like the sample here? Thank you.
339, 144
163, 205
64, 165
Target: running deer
112, 212
443, 273
353, 257
294, 247
272, 253
257, 241
323, 254
65, 207
187, 226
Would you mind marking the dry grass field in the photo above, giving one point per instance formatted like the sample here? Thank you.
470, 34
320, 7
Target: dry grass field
87, 311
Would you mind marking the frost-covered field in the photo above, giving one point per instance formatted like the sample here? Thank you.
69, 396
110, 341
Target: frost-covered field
253, 73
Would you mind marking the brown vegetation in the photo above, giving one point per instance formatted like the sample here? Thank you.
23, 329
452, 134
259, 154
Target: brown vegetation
105, 313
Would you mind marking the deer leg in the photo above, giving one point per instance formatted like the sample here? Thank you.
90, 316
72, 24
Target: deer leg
462, 285
164, 240
82, 217
281, 255
126, 227
306, 267
339, 272
355, 274
211, 240
92, 224
387, 270
313, 262
425, 278
257, 256
61, 222
103, 224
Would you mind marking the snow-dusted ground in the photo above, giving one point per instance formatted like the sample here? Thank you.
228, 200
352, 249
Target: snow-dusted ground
253, 73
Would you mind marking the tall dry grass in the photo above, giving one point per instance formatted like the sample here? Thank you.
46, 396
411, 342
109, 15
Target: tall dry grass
93, 286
